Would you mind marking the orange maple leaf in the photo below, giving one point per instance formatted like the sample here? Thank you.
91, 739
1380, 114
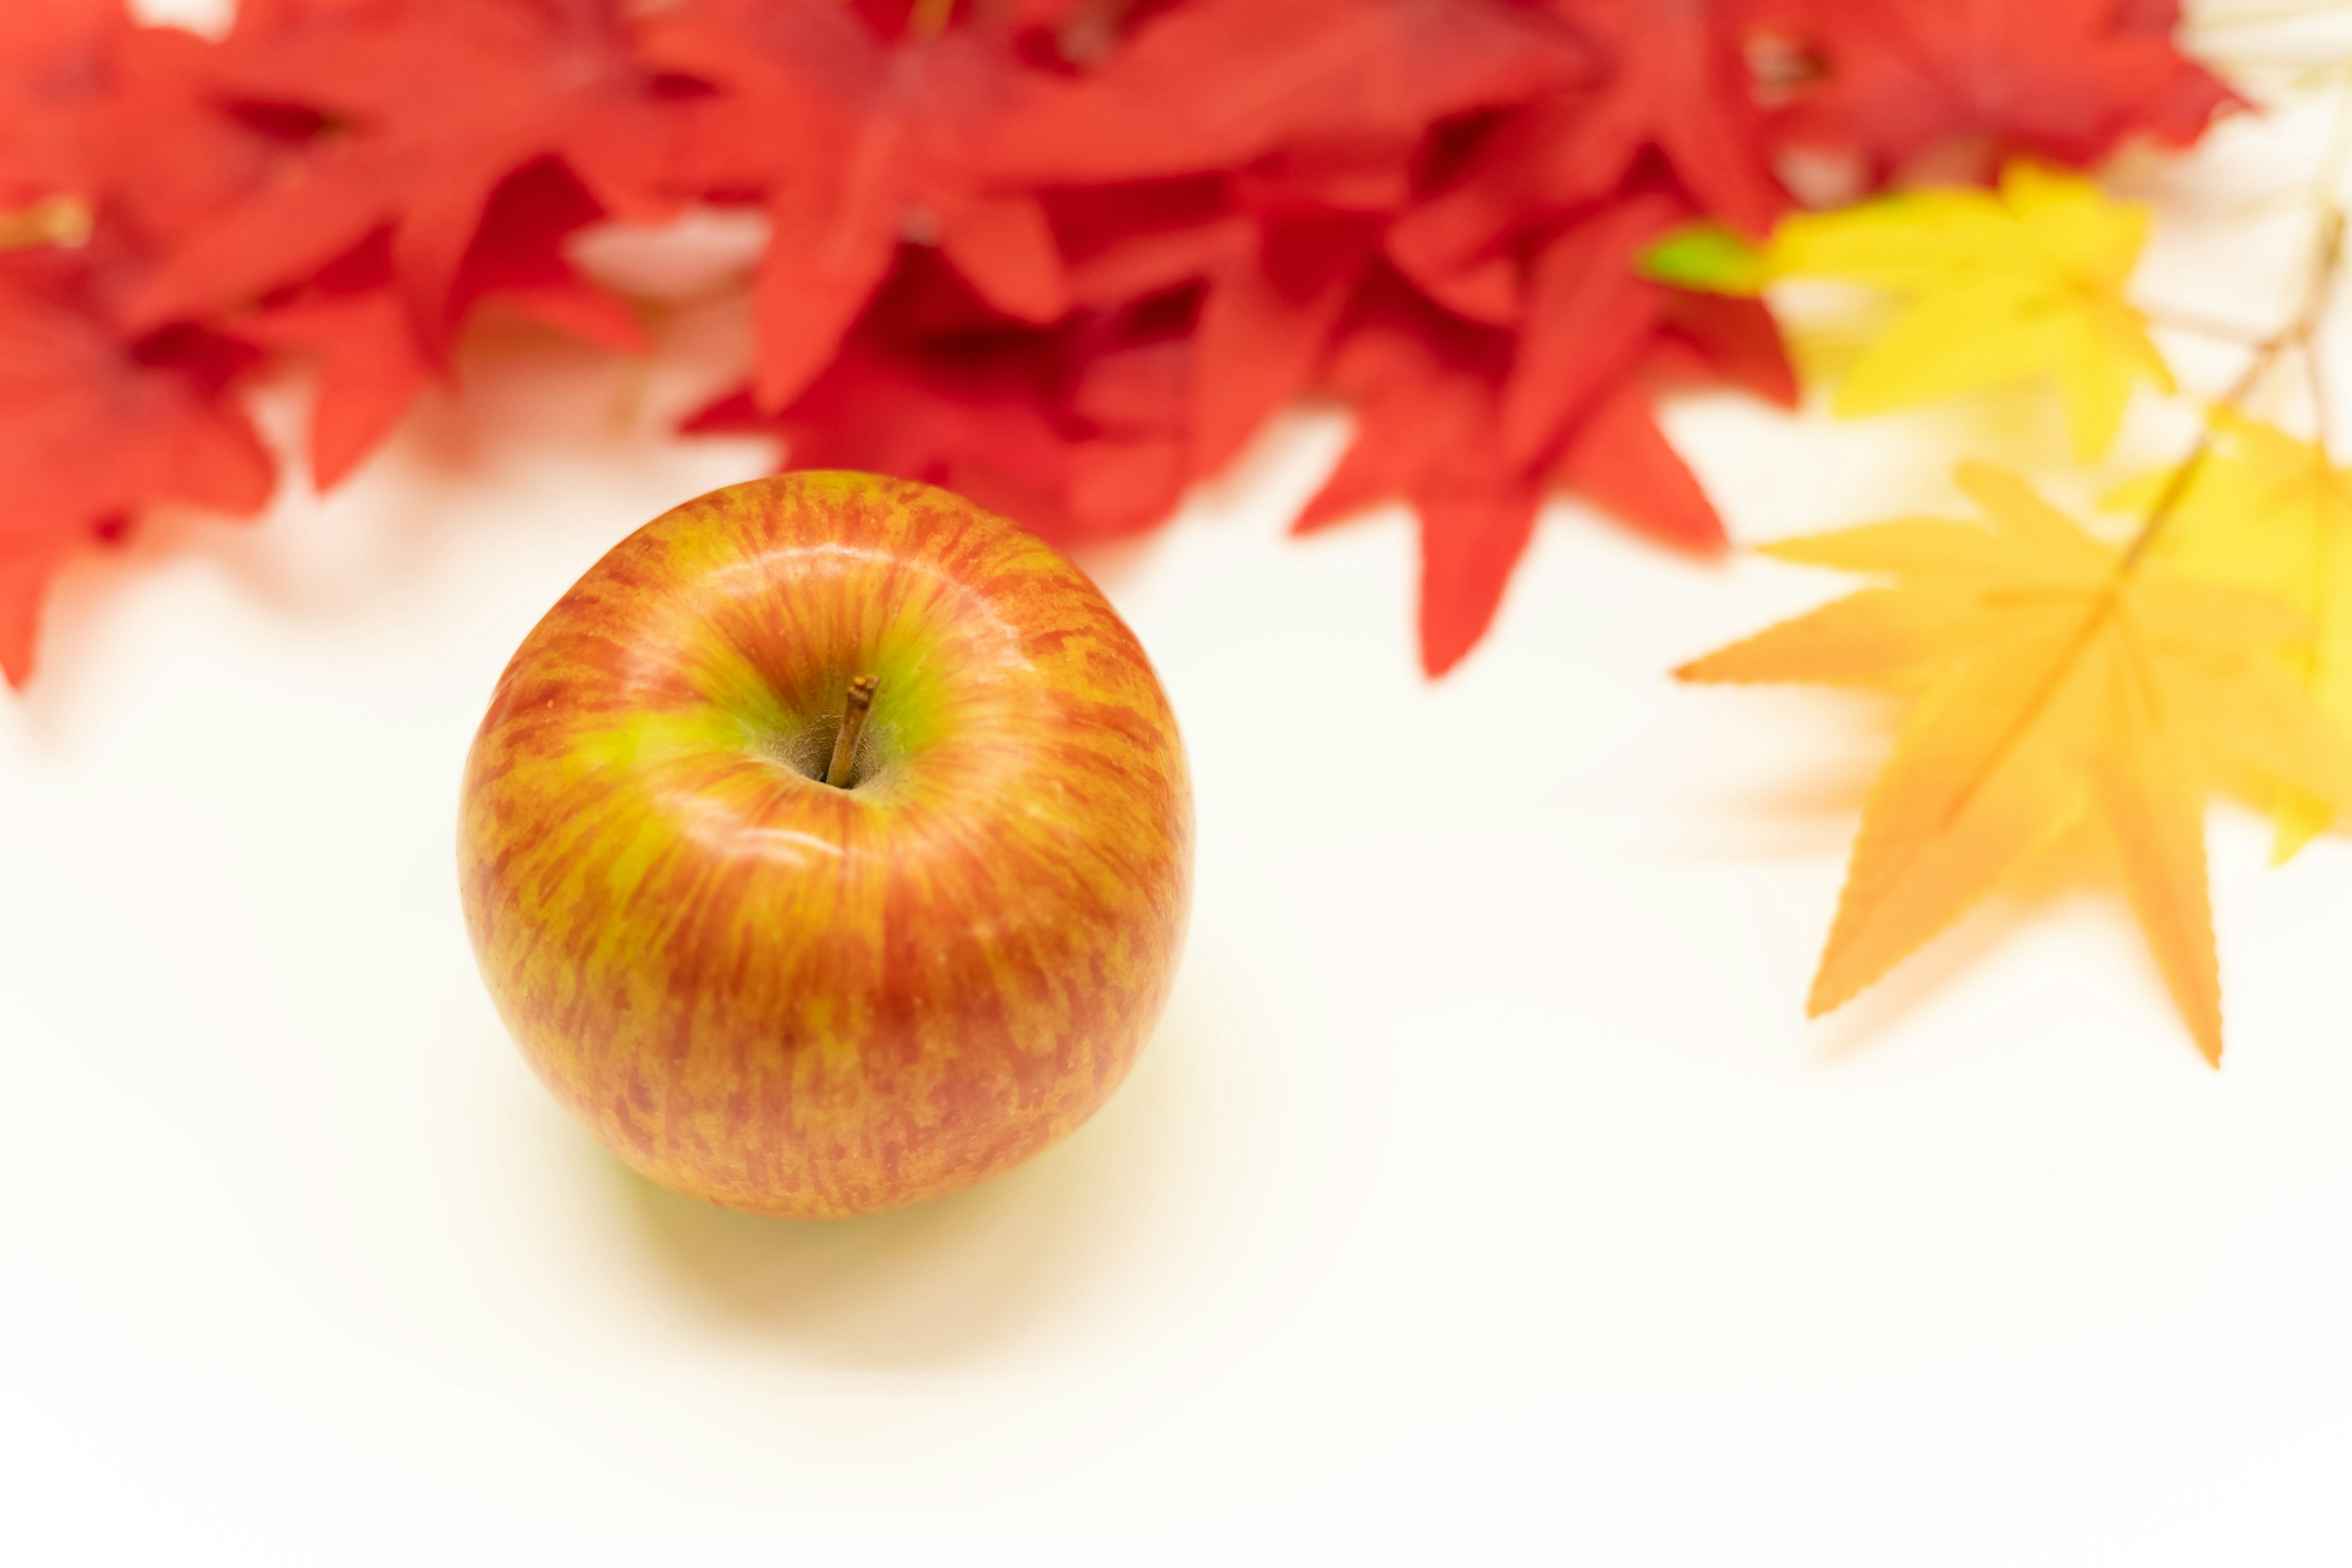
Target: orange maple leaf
2053, 679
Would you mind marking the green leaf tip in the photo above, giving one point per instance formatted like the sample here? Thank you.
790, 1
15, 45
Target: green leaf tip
1706, 257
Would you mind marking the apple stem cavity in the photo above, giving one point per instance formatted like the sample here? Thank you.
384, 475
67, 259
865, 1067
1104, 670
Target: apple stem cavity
852, 724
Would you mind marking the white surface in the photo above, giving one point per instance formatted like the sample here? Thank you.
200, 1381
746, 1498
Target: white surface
1483, 1197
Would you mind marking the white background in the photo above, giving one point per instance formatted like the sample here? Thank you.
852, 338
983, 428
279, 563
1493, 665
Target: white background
1483, 1197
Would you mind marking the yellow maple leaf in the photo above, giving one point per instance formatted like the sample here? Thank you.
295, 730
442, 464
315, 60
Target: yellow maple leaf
2051, 680
1998, 286
2268, 513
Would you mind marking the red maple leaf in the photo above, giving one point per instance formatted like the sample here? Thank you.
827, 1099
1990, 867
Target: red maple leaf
856, 141
1589, 317
1620, 459
1715, 339
1617, 455
1217, 84
1432, 394
1425, 390
1593, 323
1063, 255
95, 430
1074, 431
55, 62
165, 157
1901, 80
413, 114
176, 164
1275, 298
972, 423
363, 352
352, 323
1277, 272
1130, 459
1676, 89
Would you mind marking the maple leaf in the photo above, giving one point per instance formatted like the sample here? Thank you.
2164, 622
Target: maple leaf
1129, 468
1590, 315
369, 367
1319, 108
55, 59
1676, 87
858, 142
1617, 457
1074, 431
1710, 339
94, 430
1899, 82
1064, 254
974, 424
1428, 391
1217, 84
1997, 287
413, 115
2271, 513
353, 324
172, 165
2051, 681
1425, 392
163, 156
1276, 294
1275, 280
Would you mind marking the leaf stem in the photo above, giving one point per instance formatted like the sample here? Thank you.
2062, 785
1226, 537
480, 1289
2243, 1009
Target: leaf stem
2296, 333
2326, 256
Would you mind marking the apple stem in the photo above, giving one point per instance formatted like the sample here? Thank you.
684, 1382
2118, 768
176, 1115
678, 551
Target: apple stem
853, 723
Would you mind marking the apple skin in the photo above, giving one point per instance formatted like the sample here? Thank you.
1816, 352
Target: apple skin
797, 999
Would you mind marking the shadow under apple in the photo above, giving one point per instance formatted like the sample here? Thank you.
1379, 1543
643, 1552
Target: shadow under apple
1052, 1250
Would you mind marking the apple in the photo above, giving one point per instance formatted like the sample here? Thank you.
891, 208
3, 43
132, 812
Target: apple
807, 997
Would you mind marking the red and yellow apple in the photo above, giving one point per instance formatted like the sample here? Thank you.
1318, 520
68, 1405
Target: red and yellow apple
799, 998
